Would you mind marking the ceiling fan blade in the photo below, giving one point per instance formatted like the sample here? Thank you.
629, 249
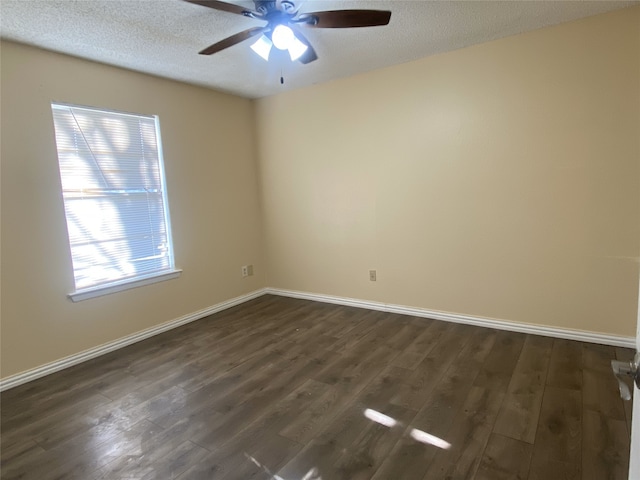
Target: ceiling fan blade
226, 7
345, 18
310, 54
232, 40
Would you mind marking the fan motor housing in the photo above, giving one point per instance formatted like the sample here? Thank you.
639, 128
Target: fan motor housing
267, 6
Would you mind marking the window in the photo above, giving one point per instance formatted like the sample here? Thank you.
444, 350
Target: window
115, 199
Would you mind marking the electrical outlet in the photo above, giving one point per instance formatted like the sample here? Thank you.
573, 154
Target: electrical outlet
372, 275
245, 271
250, 270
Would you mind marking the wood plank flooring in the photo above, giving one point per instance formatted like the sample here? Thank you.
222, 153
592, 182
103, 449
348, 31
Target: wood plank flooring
287, 389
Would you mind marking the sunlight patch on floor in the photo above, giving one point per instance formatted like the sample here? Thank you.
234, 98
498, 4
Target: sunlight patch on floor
429, 439
380, 418
312, 474
416, 434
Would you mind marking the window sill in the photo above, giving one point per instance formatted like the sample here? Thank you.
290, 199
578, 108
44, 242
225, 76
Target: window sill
88, 293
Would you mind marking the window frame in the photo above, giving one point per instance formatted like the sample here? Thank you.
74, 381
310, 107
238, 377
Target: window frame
106, 288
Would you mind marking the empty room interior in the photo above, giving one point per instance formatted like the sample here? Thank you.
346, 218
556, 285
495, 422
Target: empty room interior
380, 263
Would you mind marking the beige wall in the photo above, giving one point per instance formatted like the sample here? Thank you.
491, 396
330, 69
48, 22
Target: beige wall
211, 174
501, 180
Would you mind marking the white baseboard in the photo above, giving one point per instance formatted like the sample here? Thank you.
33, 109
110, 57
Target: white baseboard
557, 332
580, 335
41, 371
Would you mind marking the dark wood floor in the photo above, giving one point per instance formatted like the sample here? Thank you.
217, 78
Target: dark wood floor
287, 389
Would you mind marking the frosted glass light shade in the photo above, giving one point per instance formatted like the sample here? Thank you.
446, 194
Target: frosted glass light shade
282, 37
262, 47
296, 49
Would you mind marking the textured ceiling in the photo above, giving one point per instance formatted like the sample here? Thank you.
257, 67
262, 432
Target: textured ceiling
163, 37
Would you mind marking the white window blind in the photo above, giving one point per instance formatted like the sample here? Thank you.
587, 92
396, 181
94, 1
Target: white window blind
114, 195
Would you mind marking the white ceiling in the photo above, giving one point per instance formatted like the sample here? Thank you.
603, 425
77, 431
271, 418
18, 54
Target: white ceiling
163, 37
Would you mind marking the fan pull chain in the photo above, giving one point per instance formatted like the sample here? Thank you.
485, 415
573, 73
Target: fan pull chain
281, 77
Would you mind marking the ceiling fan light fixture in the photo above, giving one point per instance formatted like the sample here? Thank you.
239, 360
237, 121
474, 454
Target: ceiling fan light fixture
296, 49
282, 37
262, 47
282, 26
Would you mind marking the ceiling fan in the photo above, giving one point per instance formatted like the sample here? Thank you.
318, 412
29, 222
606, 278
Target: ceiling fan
283, 22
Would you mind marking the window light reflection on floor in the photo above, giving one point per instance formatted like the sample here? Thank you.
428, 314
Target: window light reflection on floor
380, 418
416, 434
312, 474
427, 438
